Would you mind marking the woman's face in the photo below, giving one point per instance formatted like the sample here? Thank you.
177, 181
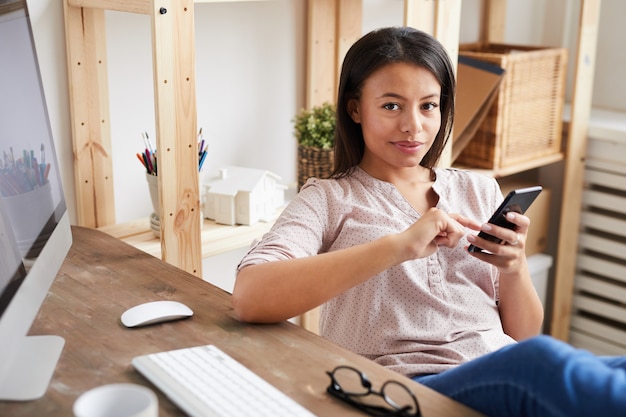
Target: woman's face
399, 114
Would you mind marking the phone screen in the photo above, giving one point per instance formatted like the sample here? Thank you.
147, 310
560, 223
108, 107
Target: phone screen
516, 201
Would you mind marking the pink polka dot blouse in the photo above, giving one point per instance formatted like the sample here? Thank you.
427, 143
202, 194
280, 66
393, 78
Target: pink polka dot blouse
422, 316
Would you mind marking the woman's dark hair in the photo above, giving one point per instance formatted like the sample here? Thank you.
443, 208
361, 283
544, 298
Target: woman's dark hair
370, 53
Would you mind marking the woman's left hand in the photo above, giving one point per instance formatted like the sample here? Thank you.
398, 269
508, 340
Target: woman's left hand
509, 255
520, 309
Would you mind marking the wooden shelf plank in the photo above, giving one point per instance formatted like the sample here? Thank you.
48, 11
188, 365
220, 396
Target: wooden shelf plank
215, 238
132, 6
515, 169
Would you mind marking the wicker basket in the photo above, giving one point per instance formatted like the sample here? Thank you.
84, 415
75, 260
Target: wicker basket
314, 162
525, 121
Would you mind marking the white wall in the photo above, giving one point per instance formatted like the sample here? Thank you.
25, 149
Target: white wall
249, 62
250, 59
609, 87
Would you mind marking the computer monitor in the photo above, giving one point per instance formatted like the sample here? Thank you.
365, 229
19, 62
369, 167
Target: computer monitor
35, 233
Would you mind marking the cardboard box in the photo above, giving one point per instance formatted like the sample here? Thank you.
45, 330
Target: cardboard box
539, 215
477, 89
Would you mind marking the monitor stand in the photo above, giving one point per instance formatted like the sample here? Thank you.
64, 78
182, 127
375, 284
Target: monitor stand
31, 368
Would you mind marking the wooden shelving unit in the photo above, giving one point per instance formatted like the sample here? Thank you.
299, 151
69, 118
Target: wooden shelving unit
175, 101
584, 55
442, 20
183, 243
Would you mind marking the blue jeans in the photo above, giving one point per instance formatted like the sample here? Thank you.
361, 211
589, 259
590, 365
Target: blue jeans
540, 376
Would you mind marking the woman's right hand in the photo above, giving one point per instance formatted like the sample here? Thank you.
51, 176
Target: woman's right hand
435, 228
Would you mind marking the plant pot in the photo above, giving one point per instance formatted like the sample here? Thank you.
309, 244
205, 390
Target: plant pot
314, 162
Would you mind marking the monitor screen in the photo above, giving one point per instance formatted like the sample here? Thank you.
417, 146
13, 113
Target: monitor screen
35, 235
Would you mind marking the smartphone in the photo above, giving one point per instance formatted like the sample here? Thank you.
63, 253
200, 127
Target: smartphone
517, 201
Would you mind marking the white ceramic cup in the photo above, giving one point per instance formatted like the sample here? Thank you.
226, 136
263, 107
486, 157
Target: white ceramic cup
117, 400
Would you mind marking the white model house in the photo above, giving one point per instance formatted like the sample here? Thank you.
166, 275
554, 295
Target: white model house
243, 196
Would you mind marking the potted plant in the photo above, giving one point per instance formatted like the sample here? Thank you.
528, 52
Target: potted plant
314, 129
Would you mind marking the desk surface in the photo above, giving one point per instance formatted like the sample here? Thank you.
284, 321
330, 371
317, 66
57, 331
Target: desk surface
103, 276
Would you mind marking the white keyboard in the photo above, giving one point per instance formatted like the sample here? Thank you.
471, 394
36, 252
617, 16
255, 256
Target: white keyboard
205, 381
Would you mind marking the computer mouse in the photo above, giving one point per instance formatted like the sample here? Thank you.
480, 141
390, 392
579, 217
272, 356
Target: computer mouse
155, 312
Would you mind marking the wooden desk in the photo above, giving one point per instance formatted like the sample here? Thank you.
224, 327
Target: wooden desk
103, 276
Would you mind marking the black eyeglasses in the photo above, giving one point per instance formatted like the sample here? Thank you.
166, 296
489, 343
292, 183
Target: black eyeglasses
352, 386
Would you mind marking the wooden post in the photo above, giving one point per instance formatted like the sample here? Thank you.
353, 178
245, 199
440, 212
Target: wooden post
493, 27
89, 113
334, 25
321, 46
348, 30
442, 19
177, 144
573, 176
420, 14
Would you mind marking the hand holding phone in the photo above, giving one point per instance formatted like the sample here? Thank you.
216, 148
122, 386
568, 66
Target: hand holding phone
517, 201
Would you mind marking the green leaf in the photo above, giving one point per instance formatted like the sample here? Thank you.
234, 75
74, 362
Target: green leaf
315, 127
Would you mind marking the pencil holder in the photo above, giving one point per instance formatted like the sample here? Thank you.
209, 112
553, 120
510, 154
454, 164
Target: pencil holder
29, 213
155, 217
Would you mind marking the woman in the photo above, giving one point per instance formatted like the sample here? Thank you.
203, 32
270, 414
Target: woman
382, 247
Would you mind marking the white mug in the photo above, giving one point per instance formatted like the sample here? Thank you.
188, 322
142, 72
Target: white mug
117, 400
